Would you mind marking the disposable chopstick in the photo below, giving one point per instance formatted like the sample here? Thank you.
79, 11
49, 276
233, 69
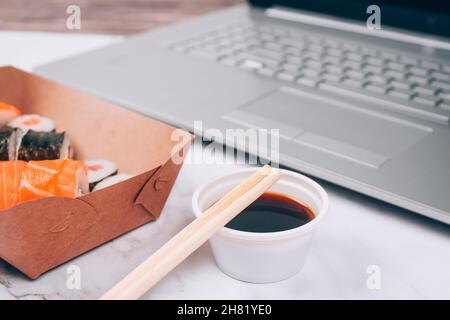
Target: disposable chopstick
148, 273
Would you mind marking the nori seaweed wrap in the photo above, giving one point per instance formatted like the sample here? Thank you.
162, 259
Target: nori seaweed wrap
36, 145
7, 143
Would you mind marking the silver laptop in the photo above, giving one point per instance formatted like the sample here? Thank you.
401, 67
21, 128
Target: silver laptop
360, 93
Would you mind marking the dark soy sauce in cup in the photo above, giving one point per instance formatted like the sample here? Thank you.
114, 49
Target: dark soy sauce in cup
272, 212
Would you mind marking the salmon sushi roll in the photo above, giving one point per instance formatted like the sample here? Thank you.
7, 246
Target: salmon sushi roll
72, 179
7, 113
10, 178
99, 169
53, 178
32, 122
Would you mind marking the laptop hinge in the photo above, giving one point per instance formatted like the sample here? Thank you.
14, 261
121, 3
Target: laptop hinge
317, 20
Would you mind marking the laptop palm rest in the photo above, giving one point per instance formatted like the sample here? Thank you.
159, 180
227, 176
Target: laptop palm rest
341, 130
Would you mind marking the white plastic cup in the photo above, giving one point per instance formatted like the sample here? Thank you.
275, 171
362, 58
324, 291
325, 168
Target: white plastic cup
270, 256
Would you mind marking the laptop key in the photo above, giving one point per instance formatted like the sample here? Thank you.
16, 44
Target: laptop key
264, 61
354, 56
349, 47
280, 32
331, 43
441, 84
334, 69
426, 100
250, 64
311, 72
401, 84
373, 69
266, 72
444, 95
378, 78
265, 53
426, 89
377, 88
290, 67
355, 74
375, 61
400, 93
308, 81
394, 74
238, 46
266, 37
440, 76
409, 60
314, 39
331, 59
293, 50
287, 76
299, 44
358, 83
312, 55
417, 79
395, 66
430, 65
445, 104
388, 56
273, 46
294, 59
352, 64
334, 52
314, 64
316, 48
418, 71
369, 51
331, 77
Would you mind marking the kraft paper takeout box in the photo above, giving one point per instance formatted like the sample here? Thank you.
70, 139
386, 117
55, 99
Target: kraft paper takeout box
39, 235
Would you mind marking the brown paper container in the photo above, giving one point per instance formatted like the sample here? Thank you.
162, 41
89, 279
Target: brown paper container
39, 235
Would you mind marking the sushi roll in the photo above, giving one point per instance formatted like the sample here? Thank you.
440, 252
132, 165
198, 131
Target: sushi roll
32, 122
34, 145
8, 139
112, 180
98, 170
10, 177
22, 181
7, 113
53, 178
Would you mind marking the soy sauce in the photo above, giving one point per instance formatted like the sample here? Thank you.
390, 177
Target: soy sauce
272, 212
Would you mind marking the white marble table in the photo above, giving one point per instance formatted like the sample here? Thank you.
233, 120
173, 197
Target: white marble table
411, 252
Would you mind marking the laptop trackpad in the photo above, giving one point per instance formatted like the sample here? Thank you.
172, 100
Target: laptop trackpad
346, 131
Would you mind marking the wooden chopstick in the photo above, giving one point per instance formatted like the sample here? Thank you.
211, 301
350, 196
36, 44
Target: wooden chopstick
148, 273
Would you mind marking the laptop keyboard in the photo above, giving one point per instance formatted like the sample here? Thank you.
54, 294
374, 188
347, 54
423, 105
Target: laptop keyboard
418, 87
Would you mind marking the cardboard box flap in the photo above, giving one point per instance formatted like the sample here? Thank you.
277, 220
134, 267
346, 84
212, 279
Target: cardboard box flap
155, 192
34, 237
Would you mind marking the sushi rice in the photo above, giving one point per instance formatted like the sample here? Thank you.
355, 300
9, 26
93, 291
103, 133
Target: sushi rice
99, 169
32, 122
